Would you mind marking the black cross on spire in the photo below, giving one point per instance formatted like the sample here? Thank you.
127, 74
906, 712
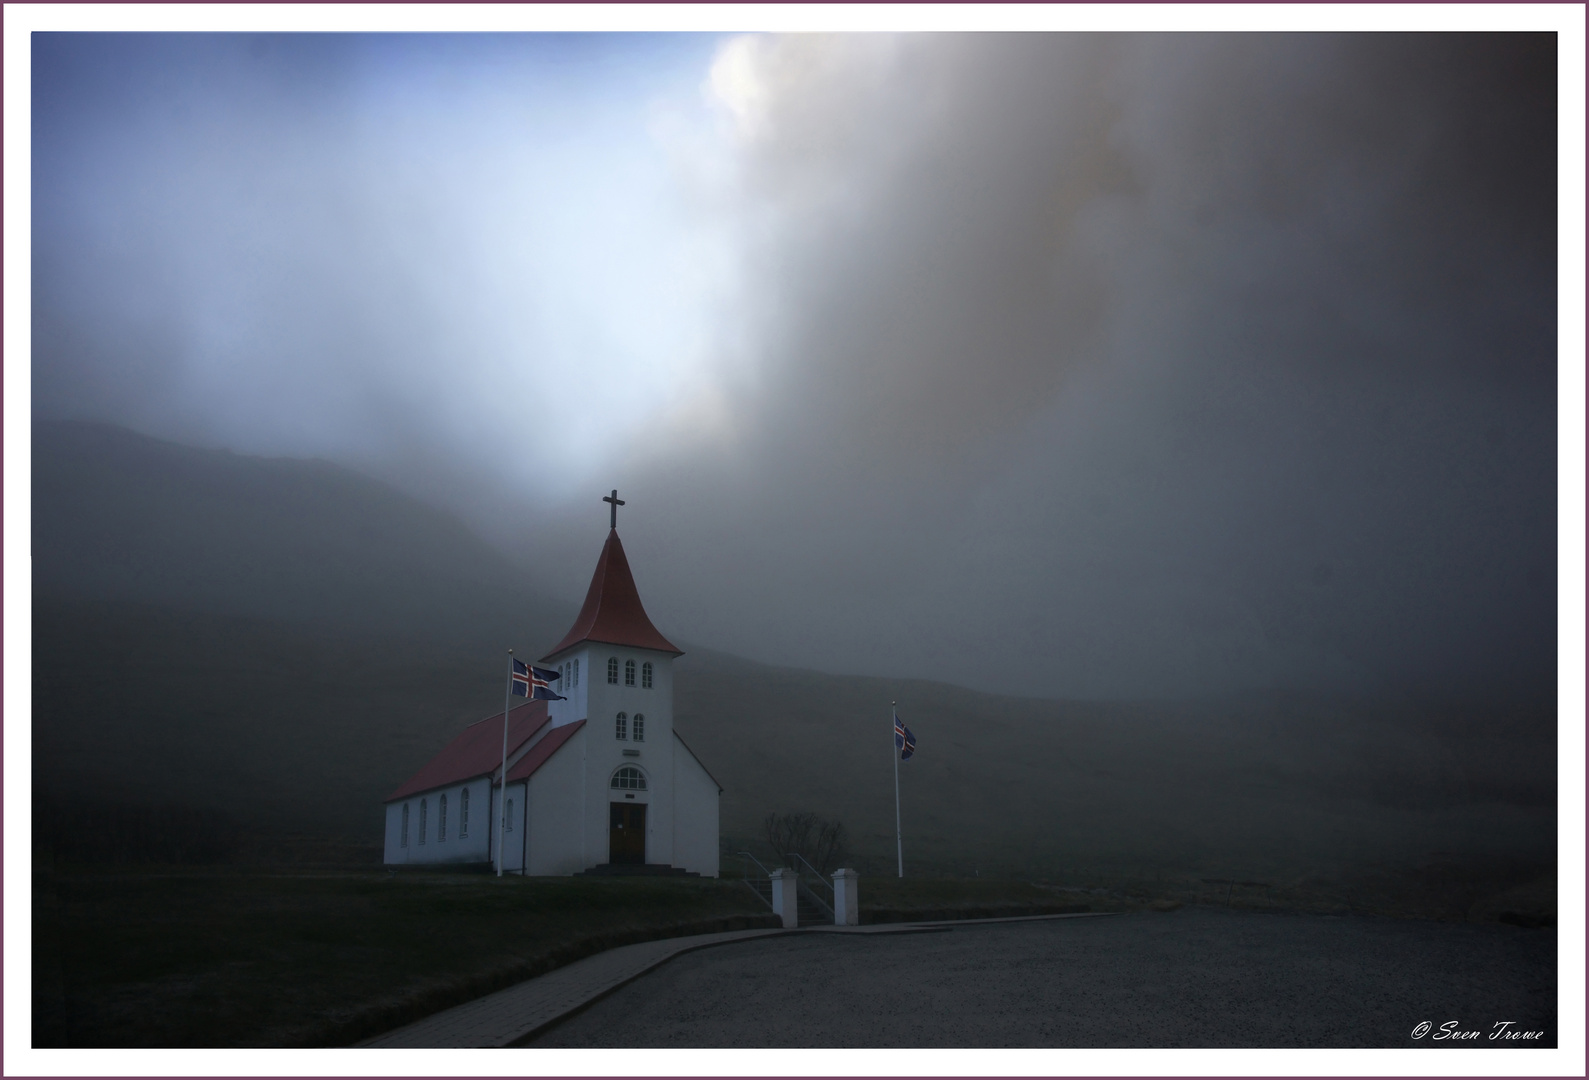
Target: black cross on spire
616, 502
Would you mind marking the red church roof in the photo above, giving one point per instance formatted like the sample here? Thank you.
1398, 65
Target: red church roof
543, 750
612, 613
477, 751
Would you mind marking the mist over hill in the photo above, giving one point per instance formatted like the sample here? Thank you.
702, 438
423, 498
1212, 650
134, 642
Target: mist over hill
119, 516
280, 642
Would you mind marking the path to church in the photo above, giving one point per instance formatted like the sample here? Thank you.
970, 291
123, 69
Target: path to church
1195, 977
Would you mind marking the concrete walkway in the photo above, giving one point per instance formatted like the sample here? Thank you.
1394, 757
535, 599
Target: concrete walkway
1196, 977
512, 1015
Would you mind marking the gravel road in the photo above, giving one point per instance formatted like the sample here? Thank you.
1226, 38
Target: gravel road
1197, 977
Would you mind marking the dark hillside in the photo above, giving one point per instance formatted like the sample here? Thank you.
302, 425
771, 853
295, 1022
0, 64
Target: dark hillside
119, 516
274, 645
1254, 785
279, 728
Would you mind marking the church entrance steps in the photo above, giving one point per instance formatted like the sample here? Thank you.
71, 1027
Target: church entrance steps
811, 909
517, 1014
636, 870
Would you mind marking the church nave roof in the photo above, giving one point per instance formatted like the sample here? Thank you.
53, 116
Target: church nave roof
477, 751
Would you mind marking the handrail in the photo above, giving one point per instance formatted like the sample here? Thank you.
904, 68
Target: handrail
822, 905
813, 869
755, 860
759, 896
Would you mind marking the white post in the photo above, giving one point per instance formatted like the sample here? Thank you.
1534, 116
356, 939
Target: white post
785, 897
899, 835
502, 818
846, 898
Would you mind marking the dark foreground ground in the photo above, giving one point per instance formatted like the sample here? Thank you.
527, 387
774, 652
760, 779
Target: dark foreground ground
261, 957
1196, 977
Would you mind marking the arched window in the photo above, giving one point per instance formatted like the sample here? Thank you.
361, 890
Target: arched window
612, 670
639, 727
645, 675
628, 672
424, 810
629, 778
576, 673
441, 821
463, 815
509, 823
621, 729
402, 840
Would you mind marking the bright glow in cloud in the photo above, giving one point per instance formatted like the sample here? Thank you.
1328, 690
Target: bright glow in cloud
446, 243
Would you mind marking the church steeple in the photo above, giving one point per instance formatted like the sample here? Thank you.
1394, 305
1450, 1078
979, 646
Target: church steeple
612, 613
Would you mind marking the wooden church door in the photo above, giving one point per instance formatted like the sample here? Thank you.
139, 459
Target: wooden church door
627, 834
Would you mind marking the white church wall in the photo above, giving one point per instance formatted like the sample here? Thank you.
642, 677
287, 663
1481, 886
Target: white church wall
604, 701
462, 842
557, 826
695, 814
396, 850
576, 690
513, 839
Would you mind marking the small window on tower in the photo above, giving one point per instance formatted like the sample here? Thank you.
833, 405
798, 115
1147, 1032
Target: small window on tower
623, 726
645, 675
628, 672
576, 672
639, 727
424, 810
463, 815
612, 670
402, 840
441, 821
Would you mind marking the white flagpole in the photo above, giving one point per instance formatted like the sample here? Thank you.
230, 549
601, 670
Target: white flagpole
502, 819
899, 835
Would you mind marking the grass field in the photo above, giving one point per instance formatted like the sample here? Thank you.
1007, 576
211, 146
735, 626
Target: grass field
228, 957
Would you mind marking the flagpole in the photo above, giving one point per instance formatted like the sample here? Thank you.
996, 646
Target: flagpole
502, 819
899, 835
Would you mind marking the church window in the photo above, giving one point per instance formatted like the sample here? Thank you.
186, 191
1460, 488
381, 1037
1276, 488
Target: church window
402, 840
576, 673
628, 672
623, 726
639, 727
424, 810
612, 670
645, 675
508, 825
463, 815
629, 777
441, 821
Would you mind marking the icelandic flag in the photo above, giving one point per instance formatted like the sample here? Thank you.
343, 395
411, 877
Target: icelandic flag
904, 741
534, 683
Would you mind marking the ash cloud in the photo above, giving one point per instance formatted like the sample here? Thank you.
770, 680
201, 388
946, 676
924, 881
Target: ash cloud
1069, 365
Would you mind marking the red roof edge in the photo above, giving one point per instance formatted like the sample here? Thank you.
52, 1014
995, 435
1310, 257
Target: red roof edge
613, 614
477, 750
698, 761
542, 751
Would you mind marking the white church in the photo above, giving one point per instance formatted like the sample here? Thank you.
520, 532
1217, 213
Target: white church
599, 781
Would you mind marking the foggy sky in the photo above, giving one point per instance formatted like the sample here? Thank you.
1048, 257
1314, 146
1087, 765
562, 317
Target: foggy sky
1063, 365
